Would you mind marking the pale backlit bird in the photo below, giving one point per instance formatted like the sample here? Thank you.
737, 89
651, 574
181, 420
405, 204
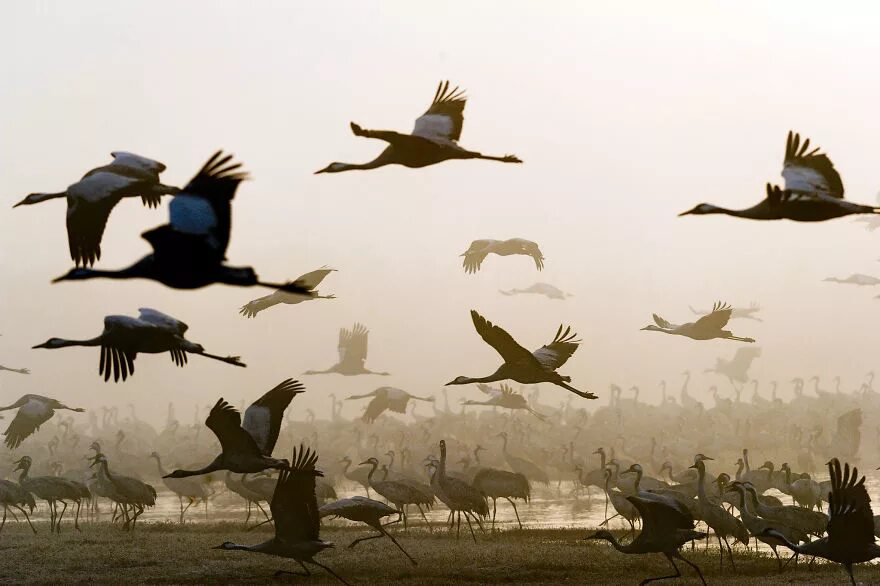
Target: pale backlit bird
737, 368
247, 446
124, 337
521, 365
307, 283
433, 140
33, 411
857, 279
189, 252
294, 509
813, 191
352, 348
479, 249
505, 397
15, 370
736, 312
544, 289
91, 199
386, 398
708, 327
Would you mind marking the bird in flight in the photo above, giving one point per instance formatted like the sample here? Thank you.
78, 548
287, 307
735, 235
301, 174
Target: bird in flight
390, 398
33, 411
855, 279
306, 282
124, 337
813, 191
505, 397
736, 312
433, 140
737, 368
91, 199
246, 448
521, 365
544, 289
189, 252
708, 327
352, 350
15, 370
479, 249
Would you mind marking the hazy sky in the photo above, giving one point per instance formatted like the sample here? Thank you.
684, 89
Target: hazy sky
625, 114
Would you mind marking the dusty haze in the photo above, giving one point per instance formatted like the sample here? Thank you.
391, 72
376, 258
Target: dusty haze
624, 115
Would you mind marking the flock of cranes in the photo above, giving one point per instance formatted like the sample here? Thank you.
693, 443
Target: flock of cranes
189, 252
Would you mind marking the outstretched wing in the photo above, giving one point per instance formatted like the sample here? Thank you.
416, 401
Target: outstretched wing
475, 255
375, 408
294, 505
743, 358
442, 122
660, 514
162, 320
809, 172
662, 322
312, 279
252, 308
499, 339
262, 420
29, 418
851, 523
556, 353
225, 421
353, 345
717, 319
117, 352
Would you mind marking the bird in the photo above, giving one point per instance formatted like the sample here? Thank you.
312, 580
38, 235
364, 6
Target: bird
813, 191
13, 495
306, 282
132, 494
737, 312
737, 368
386, 398
51, 489
191, 489
504, 397
545, 289
33, 411
666, 526
461, 497
527, 468
295, 511
15, 370
850, 538
400, 494
124, 337
91, 199
479, 249
352, 348
708, 327
715, 516
364, 510
495, 484
433, 139
521, 365
247, 447
189, 252
855, 279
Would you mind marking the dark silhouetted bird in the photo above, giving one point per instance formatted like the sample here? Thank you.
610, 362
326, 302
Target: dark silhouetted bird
737, 368
189, 252
124, 337
352, 349
367, 511
91, 199
544, 289
708, 327
247, 447
389, 398
294, 508
33, 411
306, 282
479, 249
521, 365
813, 191
433, 140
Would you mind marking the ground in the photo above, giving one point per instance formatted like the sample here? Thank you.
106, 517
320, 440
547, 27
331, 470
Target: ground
166, 553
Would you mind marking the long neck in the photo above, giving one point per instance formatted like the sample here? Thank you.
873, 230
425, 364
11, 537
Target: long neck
41, 197
610, 539
90, 342
185, 473
379, 161
442, 470
701, 488
494, 377
159, 466
372, 471
238, 546
746, 461
638, 481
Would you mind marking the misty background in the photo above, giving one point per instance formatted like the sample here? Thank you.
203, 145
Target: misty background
625, 115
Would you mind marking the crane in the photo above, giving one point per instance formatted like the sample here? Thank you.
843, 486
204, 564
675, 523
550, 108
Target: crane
708, 327
192, 489
524, 366
545, 289
813, 191
352, 348
130, 493
297, 522
400, 494
33, 411
504, 397
51, 489
480, 249
497, 484
461, 497
124, 337
386, 398
91, 199
433, 140
364, 510
307, 283
247, 447
522, 466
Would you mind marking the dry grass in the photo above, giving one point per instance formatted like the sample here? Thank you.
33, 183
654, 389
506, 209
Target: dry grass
171, 554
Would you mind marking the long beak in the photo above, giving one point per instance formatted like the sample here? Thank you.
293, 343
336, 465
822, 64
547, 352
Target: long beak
364, 463
685, 213
43, 345
57, 279
319, 171
18, 204
707, 458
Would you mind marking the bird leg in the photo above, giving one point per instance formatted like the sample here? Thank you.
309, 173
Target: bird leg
675, 575
58, 521
729, 553
691, 564
515, 512
467, 518
185, 509
261, 523
458, 532
261, 509
331, 572
367, 538
248, 517
494, 503
400, 547
5, 508
76, 518
425, 518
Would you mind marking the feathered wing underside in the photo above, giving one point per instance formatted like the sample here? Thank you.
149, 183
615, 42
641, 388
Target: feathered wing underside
262, 420
312, 279
252, 308
661, 514
717, 319
499, 339
225, 421
28, 419
442, 122
294, 505
86, 221
743, 358
556, 353
162, 320
375, 408
809, 172
117, 357
851, 523
353, 346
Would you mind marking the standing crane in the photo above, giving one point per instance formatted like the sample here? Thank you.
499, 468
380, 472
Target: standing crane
462, 497
130, 493
521, 365
433, 140
399, 494
716, 517
51, 489
352, 348
13, 495
247, 447
497, 484
480, 249
124, 337
297, 522
191, 489
364, 510
33, 411
527, 468
307, 283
